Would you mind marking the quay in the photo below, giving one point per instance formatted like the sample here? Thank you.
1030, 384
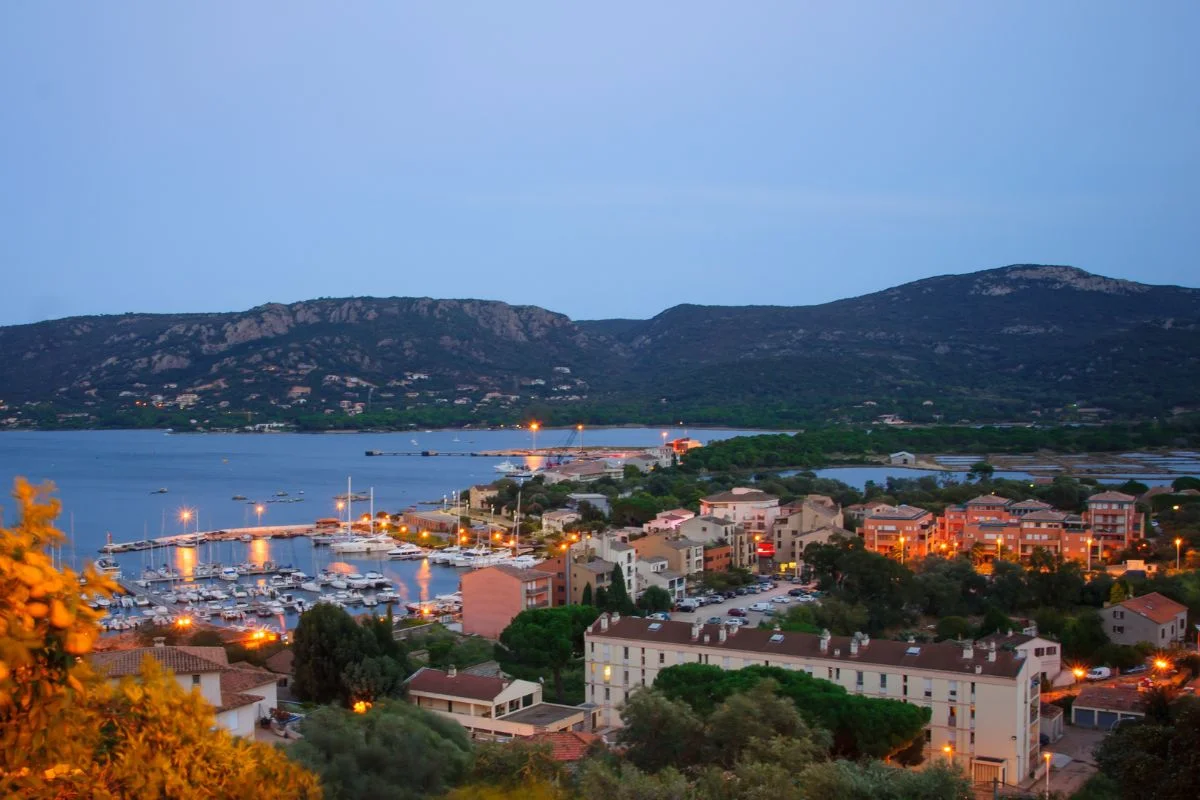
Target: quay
223, 535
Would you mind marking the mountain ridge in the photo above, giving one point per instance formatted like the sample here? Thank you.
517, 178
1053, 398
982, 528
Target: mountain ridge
1023, 341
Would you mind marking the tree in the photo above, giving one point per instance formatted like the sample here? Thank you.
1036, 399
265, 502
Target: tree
1118, 593
874, 780
953, 628
393, 751
546, 638
659, 732
586, 599
1155, 761
515, 763
618, 594
331, 653
655, 599
66, 732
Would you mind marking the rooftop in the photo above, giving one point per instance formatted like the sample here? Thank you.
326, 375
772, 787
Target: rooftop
740, 495
475, 687
939, 656
988, 500
117, 663
236, 681
898, 512
566, 745
1111, 497
1155, 607
514, 572
543, 714
1121, 697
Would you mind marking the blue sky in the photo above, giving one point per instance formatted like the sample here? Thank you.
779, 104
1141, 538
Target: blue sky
601, 160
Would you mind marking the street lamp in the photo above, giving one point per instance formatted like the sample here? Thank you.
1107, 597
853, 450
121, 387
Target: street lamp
901, 549
533, 428
185, 516
1089, 545
258, 509
949, 751
1178, 542
1047, 756
580, 429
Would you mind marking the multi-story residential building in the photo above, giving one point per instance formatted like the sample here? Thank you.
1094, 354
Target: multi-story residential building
812, 520
715, 531
481, 496
555, 521
491, 707
240, 696
683, 555
718, 557
755, 511
655, 571
596, 501
1152, 618
1009, 527
1044, 655
613, 547
1115, 521
985, 701
901, 531
666, 521
491, 597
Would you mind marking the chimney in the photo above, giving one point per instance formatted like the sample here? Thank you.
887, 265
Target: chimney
696, 626
733, 629
1008, 635
616, 617
706, 638
160, 641
979, 669
854, 646
721, 634
452, 672
968, 648
912, 640
991, 653
825, 637
864, 640
837, 652
604, 622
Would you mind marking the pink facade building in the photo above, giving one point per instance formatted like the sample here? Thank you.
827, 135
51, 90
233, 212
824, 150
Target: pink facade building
493, 596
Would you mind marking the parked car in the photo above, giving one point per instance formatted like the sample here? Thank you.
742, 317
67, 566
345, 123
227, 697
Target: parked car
1138, 670
1099, 673
660, 615
714, 620
797, 592
738, 612
760, 606
736, 621
688, 604
783, 598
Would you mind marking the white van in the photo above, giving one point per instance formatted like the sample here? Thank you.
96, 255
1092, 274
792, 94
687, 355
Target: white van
1099, 673
688, 604
760, 606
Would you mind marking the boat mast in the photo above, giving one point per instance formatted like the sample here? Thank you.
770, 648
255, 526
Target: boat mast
349, 501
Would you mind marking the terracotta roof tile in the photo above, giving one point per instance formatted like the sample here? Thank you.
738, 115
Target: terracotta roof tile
117, 663
1155, 607
231, 700
476, 687
988, 500
567, 746
752, 496
1112, 497
1111, 698
240, 680
943, 656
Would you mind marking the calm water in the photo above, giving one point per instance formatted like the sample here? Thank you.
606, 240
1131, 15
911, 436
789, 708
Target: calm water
106, 481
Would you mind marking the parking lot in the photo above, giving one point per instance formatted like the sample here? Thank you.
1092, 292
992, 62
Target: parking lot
743, 601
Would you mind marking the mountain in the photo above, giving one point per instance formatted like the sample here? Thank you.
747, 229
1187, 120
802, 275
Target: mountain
1019, 342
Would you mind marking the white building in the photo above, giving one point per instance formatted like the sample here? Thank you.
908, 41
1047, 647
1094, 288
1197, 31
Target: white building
985, 702
755, 511
240, 695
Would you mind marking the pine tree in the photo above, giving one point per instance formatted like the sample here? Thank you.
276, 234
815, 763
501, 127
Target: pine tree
586, 599
618, 595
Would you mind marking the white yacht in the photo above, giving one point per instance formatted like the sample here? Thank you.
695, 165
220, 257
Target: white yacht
229, 574
365, 544
405, 551
446, 555
506, 467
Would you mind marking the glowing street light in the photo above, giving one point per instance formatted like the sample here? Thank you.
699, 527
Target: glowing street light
361, 706
580, 429
259, 509
1178, 542
1089, 544
901, 549
1161, 664
1047, 756
949, 751
1079, 673
533, 429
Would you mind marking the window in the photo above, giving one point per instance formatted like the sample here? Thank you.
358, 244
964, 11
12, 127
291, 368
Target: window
625, 679
662, 658
929, 687
626, 652
1118, 628
883, 682
1039, 651
904, 686
195, 680
607, 693
1052, 651
972, 738
837, 674
527, 701
607, 673
953, 690
858, 681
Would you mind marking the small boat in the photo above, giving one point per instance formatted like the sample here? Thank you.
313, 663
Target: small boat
245, 537
159, 491
506, 468
229, 574
405, 551
186, 543
281, 494
108, 565
365, 544
239, 497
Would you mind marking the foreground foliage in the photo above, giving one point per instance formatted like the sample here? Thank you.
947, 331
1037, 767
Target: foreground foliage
67, 732
394, 751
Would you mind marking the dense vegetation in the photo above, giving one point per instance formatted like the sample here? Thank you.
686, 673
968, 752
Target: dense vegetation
1024, 343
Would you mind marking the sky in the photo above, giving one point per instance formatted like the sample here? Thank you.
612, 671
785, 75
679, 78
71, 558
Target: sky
600, 160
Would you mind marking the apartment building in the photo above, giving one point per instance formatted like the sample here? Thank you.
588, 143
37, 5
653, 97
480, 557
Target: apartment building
491, 597
716, 531
683, 555
901, 531
812, 520
656, 571
755, 511
984, 701
1114, 520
